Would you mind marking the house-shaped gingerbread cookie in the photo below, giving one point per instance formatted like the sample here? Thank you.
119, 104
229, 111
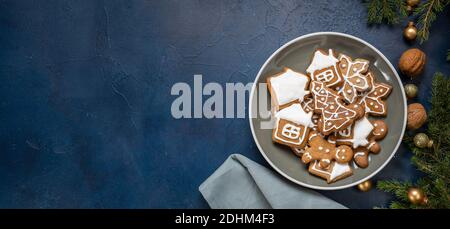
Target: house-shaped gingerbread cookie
292, 126
324, 68
287, 87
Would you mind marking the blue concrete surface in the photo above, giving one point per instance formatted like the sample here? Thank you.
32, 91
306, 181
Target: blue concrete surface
85, 94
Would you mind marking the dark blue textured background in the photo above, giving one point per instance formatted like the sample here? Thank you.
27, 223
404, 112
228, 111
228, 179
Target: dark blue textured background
85, 94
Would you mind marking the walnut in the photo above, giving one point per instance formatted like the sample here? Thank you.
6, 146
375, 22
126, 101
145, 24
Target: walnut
417, 116
412, 62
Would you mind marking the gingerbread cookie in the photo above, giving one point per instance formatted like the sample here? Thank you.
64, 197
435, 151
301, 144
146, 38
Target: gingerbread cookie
292, 126
332, 173
355, 135
308, 106
352, 74
325, 152
298, 151
323, 68
361, 156
380, 130
372, 100
287, 86
335, 115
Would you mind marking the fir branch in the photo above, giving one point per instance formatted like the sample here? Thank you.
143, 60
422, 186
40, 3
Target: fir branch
400, 189
385, 11
427, 13
435, 161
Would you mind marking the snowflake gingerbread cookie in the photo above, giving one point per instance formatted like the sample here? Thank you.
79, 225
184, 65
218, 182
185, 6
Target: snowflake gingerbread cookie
353, 76
372, 100
287, 87
323, 68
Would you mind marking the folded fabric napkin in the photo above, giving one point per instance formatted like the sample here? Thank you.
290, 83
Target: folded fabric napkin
242, 183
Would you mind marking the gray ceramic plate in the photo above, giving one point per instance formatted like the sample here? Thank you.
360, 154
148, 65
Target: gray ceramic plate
296, 54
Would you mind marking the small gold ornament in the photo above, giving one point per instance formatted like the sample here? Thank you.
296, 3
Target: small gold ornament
417, 196
410, 32
421, 140
411, 90
430, 143
365, 186
412, 3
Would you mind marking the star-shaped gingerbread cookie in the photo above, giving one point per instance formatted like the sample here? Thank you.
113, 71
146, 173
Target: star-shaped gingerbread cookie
372, 100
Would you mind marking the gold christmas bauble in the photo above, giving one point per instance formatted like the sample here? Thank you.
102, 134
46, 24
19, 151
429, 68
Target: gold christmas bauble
365, 186
410, 32
421, 140
411, 90
412, 3
417, 196
430, 143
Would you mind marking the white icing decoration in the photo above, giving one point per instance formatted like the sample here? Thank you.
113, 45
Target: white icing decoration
336, 170
361, 131
320, 148
327, 114
370, 145
290, 131
295, 113
308, 155
321, 61
350, 94
373, 90
359, 154
289, 86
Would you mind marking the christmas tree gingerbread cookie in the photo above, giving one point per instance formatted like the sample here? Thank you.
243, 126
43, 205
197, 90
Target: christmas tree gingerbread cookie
335, 114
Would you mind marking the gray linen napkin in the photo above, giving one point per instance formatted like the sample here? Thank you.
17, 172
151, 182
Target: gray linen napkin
242, 183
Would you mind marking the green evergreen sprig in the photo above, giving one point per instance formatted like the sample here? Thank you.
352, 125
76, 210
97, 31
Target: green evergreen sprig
385, 11
434, 162
392, 11
427, 14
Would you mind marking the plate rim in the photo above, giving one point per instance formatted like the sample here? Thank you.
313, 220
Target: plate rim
252, 94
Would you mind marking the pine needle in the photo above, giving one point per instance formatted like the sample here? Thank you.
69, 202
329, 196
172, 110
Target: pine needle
385, 11
427, 13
